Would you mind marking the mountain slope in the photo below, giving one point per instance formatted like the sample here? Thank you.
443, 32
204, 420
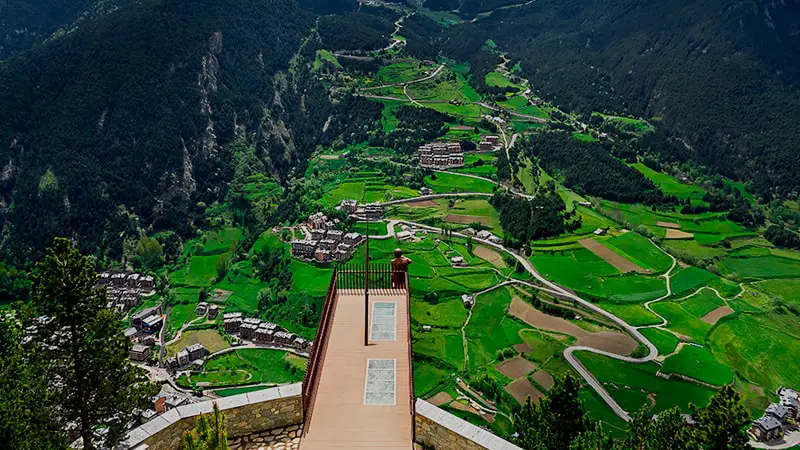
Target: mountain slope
722, 75
125, 122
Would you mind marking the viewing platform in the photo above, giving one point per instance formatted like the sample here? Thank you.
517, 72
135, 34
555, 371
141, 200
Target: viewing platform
359, 385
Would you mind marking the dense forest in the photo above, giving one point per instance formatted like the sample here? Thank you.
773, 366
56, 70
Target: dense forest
721, 76
587, 168
125, 123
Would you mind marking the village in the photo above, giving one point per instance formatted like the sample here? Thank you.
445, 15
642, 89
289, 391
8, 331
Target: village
779, 419
450, 155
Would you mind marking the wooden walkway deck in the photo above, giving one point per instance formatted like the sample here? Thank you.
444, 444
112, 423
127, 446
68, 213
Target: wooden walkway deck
339, 416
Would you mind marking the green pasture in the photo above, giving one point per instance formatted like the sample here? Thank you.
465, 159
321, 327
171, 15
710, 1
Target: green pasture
584, 137
664, 341
487, 169
671, 186
686, 280
500, 79
239, 390
322, 57
490, 328
787, 290
639, 250
761, 267
428, 378
399, 72
251, 366
698, 363
633, 313
444, 182
634, 381
702, 303
763, 348
681, 321
462, 213
583, 271
521, 105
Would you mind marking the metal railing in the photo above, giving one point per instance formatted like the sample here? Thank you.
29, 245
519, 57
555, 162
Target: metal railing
311, 379
411, 398
381, 277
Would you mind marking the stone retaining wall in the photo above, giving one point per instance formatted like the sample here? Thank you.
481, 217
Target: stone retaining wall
245, 414
438, 429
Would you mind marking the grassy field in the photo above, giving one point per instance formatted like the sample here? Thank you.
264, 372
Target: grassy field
583, 271
490, 328
486, 169
671, 186
444, 183
763, 348
664, 341
755, 268
463, 213
787, 290
251, 366
639, 250
698, 363
239, 390
211, 340
635, 381
681, 321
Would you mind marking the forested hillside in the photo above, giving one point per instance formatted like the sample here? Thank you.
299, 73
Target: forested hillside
125, 122
721, 77
24, 23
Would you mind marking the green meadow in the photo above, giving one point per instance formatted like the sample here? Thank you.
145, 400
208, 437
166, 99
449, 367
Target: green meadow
630, 384
698, 363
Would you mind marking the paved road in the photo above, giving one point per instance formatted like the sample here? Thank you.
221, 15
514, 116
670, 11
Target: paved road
478, 177
422, 198
513, 113
569, 352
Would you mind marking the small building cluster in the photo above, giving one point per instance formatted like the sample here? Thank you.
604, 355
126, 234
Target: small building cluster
490, 143
369, 211
778, 416
190, 356
260, 332
327, 243
483, 235
144, 326
125, 289
203, 309
468, 300
148, 320
441, 155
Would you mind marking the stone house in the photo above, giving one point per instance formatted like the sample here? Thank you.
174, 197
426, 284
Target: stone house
196, 351
322, 255
213, 311
766, 429
304, 248
352, 239
183, 358
139, 352
318, 234
284, 337
232, 322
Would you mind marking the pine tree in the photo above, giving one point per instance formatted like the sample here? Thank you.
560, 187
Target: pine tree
556, 421
93, 384
209, 432
720, 425
26, 422
668, 431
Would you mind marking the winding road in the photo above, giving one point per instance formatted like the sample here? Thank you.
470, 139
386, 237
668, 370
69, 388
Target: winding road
566, 294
